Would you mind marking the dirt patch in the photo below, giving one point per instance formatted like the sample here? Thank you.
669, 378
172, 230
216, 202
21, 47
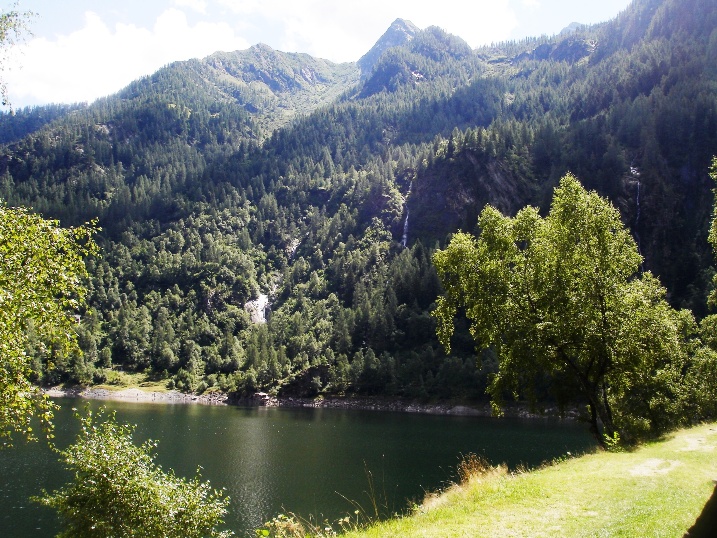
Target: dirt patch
699, 443
654, 467
138, 395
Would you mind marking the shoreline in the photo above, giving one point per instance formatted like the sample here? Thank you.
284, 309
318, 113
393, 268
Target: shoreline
261, 399
136, 395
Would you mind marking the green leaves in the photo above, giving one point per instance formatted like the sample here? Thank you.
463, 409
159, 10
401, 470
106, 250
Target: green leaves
118, 489
712, 238
561, 296
41, 274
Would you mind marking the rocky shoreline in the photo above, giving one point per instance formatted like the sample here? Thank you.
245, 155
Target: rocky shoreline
137, 395
261, 399
401, 406
365, 404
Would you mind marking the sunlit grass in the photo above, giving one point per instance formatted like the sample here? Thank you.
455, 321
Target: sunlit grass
657, 490
116, 380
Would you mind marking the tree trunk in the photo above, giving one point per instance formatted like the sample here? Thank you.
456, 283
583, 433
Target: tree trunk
600, 414
594, 427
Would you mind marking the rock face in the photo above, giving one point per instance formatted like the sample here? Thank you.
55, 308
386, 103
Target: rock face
279, 71
570, 29
571, 50
451, 195
399, 33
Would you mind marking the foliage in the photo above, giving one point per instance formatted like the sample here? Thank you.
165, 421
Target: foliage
13, 27
472, 466
292, 526
712, 238
42, 275
118, 489
259, 172
561, 296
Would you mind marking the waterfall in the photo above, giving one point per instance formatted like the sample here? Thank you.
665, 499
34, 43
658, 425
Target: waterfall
636, 174
637, 202
258, 308
404, 239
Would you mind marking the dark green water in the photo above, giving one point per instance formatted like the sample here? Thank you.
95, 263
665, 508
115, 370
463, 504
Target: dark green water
307, 461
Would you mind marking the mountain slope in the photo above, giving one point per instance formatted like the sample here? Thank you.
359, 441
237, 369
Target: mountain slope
272, 86
278, 86
325, 188
399, 33
633, 116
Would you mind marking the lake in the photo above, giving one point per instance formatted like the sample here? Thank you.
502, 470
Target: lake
313, 462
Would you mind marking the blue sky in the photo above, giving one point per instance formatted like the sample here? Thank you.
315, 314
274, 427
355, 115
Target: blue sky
84, 49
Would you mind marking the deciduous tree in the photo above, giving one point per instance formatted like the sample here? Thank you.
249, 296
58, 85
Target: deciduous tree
41, 289
13, 26
561, 297
712, 238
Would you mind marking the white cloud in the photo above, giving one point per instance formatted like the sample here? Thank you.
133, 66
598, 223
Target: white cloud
200, 6
533, 4
97, 60
102, 57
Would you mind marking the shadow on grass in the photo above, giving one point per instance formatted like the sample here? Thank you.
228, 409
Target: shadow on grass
706, 524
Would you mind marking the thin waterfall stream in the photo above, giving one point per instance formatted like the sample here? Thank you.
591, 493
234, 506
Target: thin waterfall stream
636, 174
404, 238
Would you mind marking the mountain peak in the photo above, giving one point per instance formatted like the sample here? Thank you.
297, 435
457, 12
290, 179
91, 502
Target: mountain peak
571, 28
402, 25
399, 33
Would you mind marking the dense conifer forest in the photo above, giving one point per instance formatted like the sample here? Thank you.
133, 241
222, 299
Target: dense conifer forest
325, 188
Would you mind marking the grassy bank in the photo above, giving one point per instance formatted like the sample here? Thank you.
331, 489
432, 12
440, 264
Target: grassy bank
116, 380
657, 490
134, 387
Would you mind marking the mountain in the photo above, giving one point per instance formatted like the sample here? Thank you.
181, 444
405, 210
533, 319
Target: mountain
322, 189
399, 33
570, 28
276, 86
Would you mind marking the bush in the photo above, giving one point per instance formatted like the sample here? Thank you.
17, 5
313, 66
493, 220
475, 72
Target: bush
118, 489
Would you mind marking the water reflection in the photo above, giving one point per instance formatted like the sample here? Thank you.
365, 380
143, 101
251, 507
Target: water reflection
248, 454
309, 461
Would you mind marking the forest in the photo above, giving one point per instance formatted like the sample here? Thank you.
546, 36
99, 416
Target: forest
214, 182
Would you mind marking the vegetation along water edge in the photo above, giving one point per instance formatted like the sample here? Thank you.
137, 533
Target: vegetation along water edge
659, 489
141, 394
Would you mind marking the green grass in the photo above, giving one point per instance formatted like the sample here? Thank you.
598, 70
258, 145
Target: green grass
657, 490
117, 380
